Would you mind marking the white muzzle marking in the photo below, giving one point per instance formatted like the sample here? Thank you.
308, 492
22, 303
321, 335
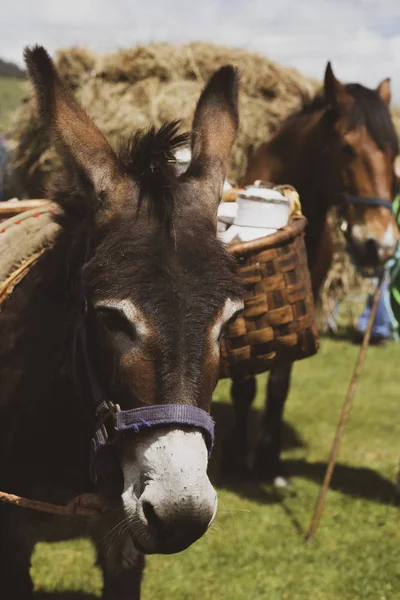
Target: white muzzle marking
167, 493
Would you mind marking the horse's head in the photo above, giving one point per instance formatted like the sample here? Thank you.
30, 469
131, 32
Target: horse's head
158, 288
363, 146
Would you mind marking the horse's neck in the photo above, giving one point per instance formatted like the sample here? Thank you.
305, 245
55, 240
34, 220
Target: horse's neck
297, 155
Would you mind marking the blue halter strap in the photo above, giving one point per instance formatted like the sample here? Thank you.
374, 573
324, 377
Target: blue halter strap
365, 201
158, 415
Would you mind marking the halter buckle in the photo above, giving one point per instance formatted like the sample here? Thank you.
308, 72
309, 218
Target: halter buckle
106, 411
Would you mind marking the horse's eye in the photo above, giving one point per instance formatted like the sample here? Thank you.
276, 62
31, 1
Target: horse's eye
115, 322
348, 150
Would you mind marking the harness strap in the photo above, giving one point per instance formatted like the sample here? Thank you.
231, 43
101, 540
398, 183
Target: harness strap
365, 201
166, 414
146, 417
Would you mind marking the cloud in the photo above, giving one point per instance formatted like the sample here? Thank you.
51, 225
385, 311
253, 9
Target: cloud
361, 37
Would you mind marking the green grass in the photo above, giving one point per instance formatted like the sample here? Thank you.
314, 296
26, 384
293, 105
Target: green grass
11, 93
255, 550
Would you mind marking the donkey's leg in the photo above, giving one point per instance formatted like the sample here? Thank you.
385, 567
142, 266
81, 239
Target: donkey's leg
15, 558
267, 460
122, 567
243, 392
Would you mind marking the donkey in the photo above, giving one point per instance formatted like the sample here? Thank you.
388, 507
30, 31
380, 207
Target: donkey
338, 150
109, 349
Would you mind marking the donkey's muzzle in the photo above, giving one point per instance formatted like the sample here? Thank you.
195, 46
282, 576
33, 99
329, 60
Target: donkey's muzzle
174, 521
168, 494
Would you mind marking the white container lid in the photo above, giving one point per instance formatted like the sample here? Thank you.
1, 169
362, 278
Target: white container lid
262, 208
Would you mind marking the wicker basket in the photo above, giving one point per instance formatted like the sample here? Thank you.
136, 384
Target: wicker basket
278, 322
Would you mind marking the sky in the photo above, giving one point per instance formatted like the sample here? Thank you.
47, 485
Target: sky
360, 37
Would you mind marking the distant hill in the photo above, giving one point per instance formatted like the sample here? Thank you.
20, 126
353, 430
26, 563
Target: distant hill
9, 69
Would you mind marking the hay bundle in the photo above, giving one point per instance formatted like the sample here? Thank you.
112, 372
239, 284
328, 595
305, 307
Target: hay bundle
135, 87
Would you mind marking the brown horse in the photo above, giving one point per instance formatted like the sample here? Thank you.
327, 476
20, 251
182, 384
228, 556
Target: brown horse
109, 347
339, 150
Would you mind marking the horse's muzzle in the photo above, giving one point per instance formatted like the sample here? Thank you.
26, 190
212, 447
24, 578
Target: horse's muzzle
369, 249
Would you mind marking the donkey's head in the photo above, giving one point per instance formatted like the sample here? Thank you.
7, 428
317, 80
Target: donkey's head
363, 148
158, 288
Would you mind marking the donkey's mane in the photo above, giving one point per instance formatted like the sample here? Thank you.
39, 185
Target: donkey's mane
368, 109
149, 158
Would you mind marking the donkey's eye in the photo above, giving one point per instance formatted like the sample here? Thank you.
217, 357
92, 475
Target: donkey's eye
115, 322
348, 150
229, 322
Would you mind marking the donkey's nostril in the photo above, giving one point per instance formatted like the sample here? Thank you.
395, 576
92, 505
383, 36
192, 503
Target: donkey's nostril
151, 517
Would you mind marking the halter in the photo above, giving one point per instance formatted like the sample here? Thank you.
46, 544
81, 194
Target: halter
364, 201
372, 202
111, 421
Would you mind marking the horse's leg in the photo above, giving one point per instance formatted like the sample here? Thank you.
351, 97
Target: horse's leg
15, 557
267, 459
243, 392
122, 567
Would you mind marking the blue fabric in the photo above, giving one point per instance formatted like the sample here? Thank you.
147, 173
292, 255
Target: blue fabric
382, 326
364, 201
157, 415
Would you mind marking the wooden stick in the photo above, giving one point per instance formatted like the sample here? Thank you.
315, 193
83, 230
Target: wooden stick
10, 209
86, 505
344, 416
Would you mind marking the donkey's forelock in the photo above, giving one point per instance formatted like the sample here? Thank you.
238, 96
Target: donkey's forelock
149, 159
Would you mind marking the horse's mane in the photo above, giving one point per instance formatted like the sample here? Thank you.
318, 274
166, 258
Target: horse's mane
368, 109
149, 158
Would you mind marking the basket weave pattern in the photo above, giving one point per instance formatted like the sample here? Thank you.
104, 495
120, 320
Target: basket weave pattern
278, 323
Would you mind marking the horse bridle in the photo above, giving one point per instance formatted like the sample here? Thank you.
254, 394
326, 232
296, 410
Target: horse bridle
366, 201
110, 421
348, 199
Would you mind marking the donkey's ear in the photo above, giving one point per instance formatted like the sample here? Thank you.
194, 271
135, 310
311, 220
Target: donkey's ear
216, 120
384, 91
72, 130
335, 92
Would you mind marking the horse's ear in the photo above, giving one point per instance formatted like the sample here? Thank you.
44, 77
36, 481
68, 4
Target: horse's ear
384, 91
72, 130
335, 92
215, 124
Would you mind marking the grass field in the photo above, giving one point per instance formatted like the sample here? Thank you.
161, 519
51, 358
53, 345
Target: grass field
255, 549
11, 92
